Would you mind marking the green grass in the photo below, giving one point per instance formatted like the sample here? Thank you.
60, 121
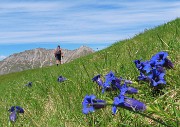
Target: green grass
50, 104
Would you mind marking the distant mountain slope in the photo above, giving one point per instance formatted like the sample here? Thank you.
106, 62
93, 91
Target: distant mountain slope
39, 57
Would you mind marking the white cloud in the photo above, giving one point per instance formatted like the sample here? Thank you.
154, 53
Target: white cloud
31, 6
2, 57
79, 21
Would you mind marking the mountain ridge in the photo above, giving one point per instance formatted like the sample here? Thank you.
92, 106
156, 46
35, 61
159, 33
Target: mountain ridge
39, 57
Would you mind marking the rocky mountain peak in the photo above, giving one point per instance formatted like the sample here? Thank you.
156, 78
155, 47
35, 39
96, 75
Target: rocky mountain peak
38, 57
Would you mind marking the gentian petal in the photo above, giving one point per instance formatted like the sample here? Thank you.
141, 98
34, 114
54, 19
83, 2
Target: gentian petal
89, 104
85, 110
147, 67
109, 77
105, 87
17, 109
91, 109
168, 64
133, 104
161, 81
132, 90
116, 83
137, 63
128, 82
13, 116
153, 83
123, 89
95, 78
161, 75
150, 76
29, 84
103, 90
143, 77
92, 97
97, 104
61, 79
114, 109
87, 100
159, 56
98, 80
157, 76
12, 109
118, 100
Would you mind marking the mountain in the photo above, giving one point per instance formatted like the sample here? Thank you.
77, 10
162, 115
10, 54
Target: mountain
39, 57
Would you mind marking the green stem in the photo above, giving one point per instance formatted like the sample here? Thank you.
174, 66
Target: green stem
151, 110
98, 104
109, 102
158, 121
148, 109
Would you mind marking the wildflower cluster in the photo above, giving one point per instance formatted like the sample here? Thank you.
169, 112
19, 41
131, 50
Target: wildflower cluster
153, 70
90, 103
15, 110
61, 79
29, 84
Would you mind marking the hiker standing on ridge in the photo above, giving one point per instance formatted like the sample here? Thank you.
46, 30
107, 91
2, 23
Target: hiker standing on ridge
58, 54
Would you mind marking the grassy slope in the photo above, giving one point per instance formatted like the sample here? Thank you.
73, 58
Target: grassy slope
49, 103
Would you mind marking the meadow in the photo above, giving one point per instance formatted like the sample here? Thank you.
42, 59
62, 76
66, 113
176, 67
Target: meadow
49, 103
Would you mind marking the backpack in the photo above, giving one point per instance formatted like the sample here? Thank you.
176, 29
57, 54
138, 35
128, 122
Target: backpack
58, 52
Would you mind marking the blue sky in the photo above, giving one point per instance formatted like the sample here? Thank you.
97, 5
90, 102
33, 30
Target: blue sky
28, 24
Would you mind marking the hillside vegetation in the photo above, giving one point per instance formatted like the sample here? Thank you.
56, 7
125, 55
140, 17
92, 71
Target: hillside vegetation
52, 104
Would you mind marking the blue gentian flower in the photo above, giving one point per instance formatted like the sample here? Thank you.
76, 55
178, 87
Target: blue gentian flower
123, 89
90, 103
143, 66
98, 80
97, 104
116, 84
127, 103
17, 109
127, 89
117, 101
138, 64
61, 79
157, 77
159, 58
143, 77
86, 104
132, 90
109, 78
13, 116
147, 66
128, 82
106, 87
29, 84
168, 64
14, 111
132, 104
